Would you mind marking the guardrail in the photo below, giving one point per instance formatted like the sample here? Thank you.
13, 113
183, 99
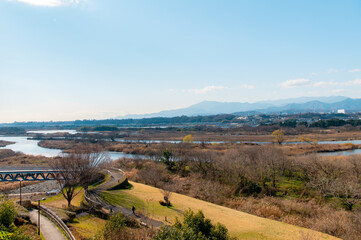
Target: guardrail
49, 214
98, 204
124, 177
93, 203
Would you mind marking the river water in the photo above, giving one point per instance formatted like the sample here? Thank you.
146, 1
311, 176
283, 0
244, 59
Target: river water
29, 146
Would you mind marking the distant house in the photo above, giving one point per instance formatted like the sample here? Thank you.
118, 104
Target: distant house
242, 118
341, 111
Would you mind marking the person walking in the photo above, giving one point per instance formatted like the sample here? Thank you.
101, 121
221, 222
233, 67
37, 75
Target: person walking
133, 210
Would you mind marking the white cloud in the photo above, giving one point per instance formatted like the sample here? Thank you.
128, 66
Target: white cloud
302, 82
338, 90
247, 86
49, 3
206, 89
319, 84
323, 84
355, 70
353, 82
296, 83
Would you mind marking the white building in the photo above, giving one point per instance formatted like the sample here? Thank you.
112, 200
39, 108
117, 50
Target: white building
341, 111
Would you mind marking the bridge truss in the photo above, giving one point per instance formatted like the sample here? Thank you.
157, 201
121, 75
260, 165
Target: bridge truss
28, 175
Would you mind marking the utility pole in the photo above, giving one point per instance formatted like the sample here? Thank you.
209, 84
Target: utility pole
39, 215
20, 190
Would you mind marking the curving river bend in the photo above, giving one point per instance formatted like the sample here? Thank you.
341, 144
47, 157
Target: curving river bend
31, 147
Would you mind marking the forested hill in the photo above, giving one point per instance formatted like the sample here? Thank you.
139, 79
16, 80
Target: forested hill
223, 118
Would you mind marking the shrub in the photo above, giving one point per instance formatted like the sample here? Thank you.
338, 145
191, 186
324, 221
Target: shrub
194, 227
115, 225
163, 203
188, 139
119, 227
250, 188
7, 213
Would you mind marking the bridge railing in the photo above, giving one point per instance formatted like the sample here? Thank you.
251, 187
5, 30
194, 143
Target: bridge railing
53, 217
28, 175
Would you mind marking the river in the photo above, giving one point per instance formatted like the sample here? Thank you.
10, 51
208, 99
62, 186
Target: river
29, 146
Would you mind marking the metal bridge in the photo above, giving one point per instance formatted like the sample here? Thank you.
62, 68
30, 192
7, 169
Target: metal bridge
28, 175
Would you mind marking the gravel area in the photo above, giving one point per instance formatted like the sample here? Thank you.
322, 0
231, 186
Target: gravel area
44, 186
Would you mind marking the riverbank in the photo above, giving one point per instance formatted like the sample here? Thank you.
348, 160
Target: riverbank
299, 149
156, 149
5, 143
11, 158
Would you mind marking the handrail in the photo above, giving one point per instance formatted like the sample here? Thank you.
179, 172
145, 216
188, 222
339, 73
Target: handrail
50, 214
124, 177
96, 203
90, 201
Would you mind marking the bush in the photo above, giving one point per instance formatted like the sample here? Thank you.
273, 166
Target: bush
7, 213
115, 223
119, 227
166, 204
194, 227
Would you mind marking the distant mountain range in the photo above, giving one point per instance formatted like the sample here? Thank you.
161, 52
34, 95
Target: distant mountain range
291, 105
348, 104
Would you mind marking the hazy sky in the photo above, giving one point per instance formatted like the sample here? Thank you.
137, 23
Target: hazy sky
77, 59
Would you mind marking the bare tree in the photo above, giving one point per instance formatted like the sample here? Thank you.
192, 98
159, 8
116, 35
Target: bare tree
349, 192
166, 195
90, 161
67, 177
273, 162
355, 162
78, 169
154, 174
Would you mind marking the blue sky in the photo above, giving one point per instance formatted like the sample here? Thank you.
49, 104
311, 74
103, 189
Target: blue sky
94, 59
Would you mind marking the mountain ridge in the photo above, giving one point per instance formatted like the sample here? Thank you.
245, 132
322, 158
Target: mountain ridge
214, 107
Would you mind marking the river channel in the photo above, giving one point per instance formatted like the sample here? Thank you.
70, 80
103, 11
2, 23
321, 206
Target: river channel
31, 147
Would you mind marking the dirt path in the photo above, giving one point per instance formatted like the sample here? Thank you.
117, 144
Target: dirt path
49, 230
94, 195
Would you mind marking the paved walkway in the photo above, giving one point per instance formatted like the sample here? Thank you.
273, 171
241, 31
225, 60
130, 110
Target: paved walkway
94, 194
49, 230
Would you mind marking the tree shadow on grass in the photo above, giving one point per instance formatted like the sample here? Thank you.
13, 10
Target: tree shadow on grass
122, 186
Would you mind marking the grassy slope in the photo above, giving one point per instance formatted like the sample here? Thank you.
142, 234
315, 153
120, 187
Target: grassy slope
59, 201
87, 226
242, 225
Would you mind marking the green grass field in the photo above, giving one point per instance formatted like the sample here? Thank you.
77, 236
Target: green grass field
241, 225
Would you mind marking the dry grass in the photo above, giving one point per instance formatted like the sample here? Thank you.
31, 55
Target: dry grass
299, 149
304, 213
59, 201
250, 135
10, 158
240, 224
86, 227
5, 143
7, 186
31, 231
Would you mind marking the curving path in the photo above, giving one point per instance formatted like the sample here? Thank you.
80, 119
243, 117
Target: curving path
49, 230
94, 195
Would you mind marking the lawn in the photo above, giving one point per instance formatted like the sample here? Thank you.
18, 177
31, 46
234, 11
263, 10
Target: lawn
59, 201
87, 226
241, 225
